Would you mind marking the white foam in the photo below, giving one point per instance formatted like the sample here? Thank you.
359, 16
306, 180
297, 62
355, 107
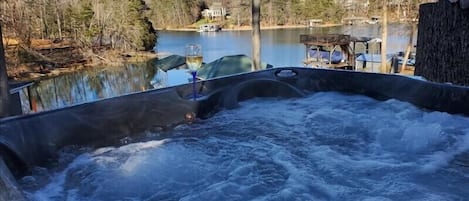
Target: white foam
55, 188
441, 159
419, 137
328, 146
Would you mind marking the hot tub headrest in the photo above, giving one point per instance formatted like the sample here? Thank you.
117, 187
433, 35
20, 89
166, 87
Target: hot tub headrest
259, 88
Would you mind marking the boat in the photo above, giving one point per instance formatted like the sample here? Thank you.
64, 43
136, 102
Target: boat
172, 71
374, 20
209, 28
314, 23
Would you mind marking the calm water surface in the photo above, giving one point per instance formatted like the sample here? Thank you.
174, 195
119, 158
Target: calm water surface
279, 47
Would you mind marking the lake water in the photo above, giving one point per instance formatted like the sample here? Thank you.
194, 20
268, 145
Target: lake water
327, 146
279, 47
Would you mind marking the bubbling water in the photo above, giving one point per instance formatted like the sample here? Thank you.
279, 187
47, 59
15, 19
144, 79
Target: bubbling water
328, 146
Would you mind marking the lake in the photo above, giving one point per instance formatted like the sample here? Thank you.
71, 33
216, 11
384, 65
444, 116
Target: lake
280, 48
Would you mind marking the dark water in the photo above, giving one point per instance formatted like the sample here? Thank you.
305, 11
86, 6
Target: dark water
279, 48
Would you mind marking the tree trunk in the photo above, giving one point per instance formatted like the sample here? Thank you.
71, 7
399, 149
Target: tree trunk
443, 43
384, 36
399, 10
256, 35
409, 46
4, 89
44, 20
271, 20
59, 24
43, 26
411, 39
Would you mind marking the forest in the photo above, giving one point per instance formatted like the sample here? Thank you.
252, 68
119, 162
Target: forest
120, 25
129, 24
41, 35
180, 13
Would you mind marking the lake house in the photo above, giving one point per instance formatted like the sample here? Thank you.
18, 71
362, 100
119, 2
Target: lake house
216, 10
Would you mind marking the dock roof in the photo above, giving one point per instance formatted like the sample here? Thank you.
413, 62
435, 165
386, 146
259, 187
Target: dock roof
325, 39
334, 39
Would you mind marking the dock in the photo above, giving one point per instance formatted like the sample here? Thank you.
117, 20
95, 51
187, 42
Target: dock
314, 23
340, 51
16, 107
209, 28
328, 51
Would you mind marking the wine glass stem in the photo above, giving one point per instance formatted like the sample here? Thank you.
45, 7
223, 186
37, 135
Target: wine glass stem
194, 90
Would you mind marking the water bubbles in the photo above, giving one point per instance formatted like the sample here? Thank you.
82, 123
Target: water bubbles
328, 146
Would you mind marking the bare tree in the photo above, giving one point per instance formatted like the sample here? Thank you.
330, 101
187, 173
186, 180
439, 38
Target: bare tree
384, 36
4, 89
411, 40
59, 22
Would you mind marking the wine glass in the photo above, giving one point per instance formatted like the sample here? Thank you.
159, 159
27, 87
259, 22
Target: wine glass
194, 61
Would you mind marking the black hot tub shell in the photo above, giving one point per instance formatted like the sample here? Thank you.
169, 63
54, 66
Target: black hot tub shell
26, 141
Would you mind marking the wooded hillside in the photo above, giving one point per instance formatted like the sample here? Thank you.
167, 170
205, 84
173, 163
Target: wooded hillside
180, 13
128, 24
120, 24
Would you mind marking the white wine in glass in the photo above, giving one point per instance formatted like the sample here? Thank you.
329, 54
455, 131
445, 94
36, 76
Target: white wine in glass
194, 61
194, 56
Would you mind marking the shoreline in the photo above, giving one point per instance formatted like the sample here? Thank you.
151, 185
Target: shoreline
249, 28
35, 72
53, 66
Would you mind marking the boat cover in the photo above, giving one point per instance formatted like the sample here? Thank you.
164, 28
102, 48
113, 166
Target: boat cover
336, 56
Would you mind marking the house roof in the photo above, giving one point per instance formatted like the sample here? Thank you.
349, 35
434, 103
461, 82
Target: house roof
216, 6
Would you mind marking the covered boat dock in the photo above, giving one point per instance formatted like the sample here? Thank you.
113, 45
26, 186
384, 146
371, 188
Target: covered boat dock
339, 51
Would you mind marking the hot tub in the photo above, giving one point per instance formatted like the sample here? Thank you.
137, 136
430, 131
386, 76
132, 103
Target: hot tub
279, 134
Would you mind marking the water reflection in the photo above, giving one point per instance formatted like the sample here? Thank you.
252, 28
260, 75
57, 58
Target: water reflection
169, 78
99, 83
90, 85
